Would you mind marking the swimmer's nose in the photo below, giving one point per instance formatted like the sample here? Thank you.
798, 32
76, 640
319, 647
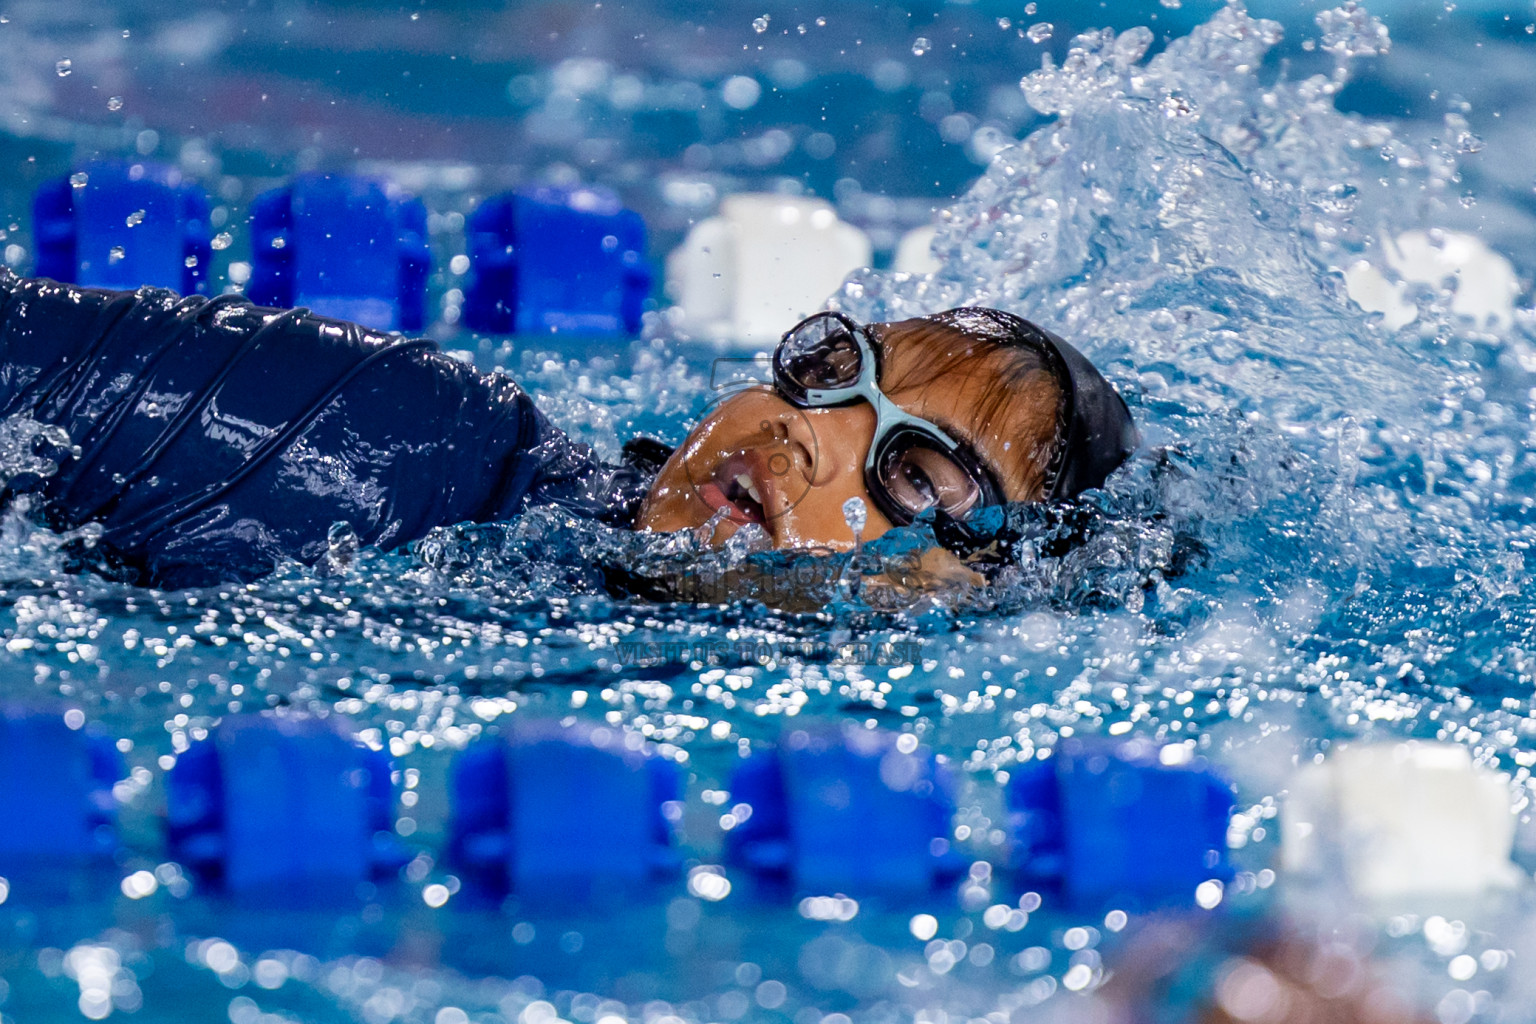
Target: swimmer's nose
790, 449
836, 442
831, 445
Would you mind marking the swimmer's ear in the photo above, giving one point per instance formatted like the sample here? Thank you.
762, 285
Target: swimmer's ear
646, 454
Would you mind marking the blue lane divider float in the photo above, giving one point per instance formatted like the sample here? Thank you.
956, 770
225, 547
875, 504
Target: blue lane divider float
845, 809
274, 802
55, 790
556, 259
545, 809
122, 225
344, 247
1132, 823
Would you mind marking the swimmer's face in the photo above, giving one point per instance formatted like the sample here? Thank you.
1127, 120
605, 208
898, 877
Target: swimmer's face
791, 470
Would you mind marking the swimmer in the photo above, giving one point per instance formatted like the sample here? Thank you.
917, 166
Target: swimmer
214, 438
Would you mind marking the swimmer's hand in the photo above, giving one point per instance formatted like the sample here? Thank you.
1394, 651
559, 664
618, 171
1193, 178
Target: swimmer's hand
809, 584
935, 573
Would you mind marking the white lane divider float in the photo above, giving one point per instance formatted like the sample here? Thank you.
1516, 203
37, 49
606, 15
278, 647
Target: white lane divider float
1485, 284
1401, 820
763, 263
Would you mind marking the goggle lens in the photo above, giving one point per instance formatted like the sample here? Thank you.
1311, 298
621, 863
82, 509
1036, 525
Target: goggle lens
914, 468
915, 475
819, 355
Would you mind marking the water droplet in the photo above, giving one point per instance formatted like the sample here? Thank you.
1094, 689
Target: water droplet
1172, 5
760, 24
821, 22
1351, 31
341, 546
152, 410
706, 533
279, 242
1005, 23
222, 240
115, 254
855, 514
64, 67
801, 28
115, 103
135, 219
1176, 106
749, 539
1030, 9
79, 179
190, 262
1469, 142
415, 15
1040, 31
920, 46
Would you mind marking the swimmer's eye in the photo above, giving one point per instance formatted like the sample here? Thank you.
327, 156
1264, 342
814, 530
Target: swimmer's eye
919, 478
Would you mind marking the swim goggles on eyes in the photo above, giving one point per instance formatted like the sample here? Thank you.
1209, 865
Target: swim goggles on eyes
913, 465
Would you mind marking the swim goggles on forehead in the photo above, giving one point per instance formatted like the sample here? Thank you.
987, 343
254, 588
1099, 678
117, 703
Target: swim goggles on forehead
913, 465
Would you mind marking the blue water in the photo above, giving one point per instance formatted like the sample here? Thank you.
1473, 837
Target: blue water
1325, 535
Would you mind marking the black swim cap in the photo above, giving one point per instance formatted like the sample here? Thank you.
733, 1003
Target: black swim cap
1094, 430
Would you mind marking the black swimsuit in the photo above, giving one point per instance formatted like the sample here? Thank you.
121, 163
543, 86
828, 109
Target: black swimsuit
215, 437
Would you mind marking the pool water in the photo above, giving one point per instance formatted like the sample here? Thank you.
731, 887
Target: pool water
1324, 536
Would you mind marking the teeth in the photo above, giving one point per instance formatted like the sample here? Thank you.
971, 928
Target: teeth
745, 483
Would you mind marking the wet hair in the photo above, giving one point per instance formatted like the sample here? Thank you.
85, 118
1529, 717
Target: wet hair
1090, 431
1020, 380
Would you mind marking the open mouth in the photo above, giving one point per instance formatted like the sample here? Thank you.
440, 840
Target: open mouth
734, 488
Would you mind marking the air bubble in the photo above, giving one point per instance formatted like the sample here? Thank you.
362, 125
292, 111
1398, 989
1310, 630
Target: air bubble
760, 24
64, 67
921, 45
1040, 31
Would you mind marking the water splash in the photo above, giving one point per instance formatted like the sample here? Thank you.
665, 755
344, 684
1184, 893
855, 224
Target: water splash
1327, 527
